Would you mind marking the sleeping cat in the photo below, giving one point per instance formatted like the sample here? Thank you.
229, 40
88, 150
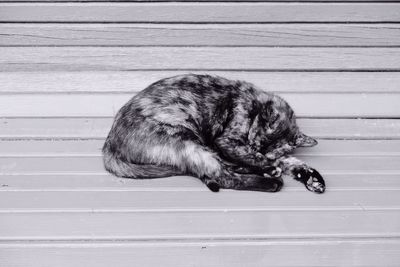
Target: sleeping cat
227, 133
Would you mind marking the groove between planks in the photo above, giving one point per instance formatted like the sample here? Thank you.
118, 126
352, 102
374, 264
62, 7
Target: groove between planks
199, 12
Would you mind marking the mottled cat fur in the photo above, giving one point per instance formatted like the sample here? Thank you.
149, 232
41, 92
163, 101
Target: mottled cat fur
227, 133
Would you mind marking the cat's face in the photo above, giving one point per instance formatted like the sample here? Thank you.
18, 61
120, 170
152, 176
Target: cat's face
275, 127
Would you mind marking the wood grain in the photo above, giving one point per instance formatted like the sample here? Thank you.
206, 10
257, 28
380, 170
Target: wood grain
97, 128
192, 225
199, 12
251, 253
197, 58
100, 105
130, 81
200, 35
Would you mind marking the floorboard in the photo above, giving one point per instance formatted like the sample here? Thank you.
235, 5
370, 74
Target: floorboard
200, 34
198, 58
304, 253
229, 200
130, 82
199, 225
369, 105
199, 12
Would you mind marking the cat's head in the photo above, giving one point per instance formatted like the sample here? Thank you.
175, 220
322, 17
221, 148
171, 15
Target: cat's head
274, 126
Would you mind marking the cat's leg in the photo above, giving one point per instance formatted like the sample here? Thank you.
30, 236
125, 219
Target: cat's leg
250, 182
254, 182
247, 178
216, 173
279, 151
267, 171
301, 172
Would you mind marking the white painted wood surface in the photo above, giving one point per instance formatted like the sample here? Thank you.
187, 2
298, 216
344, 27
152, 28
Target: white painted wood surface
129, 82
201, 34
198, 58
308, 252
66, 68
106, 105
239, 12
199, 224
126, 200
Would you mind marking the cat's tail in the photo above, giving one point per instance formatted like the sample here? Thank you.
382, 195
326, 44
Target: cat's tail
125, 169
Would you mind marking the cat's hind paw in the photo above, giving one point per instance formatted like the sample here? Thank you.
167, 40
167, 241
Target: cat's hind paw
213, 186
277, 172
311, 178
274, 172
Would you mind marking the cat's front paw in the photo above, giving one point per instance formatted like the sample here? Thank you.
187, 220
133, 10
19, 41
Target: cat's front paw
311, 178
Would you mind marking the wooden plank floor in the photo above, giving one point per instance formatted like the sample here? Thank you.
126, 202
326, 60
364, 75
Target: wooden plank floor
57, 203
66, 68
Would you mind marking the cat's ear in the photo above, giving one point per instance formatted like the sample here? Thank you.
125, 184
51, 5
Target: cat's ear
303, 140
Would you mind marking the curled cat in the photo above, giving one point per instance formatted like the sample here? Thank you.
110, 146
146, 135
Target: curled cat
227, 133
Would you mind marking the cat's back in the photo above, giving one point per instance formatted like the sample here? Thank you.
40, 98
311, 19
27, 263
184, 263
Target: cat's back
189, 86
199, 103
185, 97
